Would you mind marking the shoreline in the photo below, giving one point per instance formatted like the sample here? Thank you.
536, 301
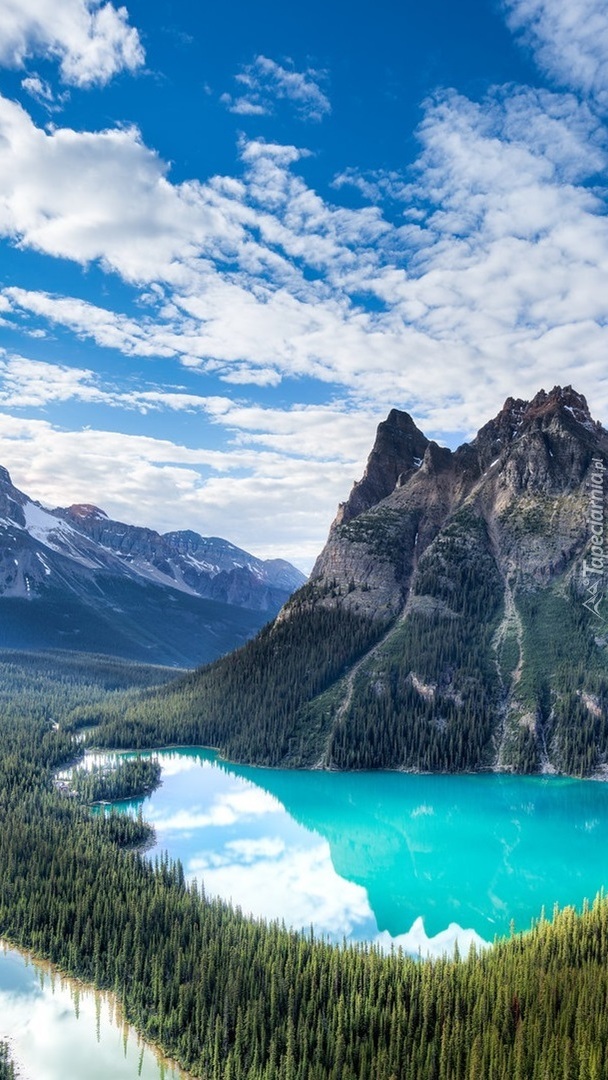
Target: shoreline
600, 775
48, 967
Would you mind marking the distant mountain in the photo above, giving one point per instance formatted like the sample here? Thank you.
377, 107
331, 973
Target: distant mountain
73, 578
456, 618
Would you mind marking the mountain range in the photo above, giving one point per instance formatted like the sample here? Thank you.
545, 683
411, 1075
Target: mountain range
455, 619
72, 578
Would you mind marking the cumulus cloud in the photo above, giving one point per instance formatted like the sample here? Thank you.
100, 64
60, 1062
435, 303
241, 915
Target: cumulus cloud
244, 106
98, 196
487, 275
290, 473
569, 39
374, 185
91, 40
264, 81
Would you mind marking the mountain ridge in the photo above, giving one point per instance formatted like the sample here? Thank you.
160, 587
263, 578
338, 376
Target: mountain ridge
74, 578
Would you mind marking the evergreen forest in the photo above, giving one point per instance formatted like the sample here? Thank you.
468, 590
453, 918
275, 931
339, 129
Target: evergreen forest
233, 998
122, 779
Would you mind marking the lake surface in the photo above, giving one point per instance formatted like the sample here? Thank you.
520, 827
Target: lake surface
420, 861
57, 1030
388, 857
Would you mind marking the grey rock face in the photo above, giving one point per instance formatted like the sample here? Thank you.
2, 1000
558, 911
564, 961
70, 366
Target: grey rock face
398, 451
532, 459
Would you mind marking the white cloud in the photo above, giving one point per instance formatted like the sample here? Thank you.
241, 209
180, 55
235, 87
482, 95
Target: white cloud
28, 383
107, 328
41, 91
569, 39
91, 40
375, 185
272, 502
264, 81
100, 196
305, 431
244, 106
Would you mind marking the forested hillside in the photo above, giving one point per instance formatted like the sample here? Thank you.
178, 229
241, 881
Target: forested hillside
249, 704
237, 999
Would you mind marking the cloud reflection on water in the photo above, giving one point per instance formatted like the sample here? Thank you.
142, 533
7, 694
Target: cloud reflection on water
228, 808
339, 853
267, 879
58, 1030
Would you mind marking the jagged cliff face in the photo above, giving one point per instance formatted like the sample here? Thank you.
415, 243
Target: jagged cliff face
74, 578
472, 560
524, 475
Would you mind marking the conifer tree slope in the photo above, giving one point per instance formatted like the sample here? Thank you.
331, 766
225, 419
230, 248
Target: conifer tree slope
447, 624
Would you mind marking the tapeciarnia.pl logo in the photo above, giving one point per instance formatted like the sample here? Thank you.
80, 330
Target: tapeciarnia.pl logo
595, 556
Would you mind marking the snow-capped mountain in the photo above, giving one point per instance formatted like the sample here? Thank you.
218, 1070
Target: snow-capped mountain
74, 578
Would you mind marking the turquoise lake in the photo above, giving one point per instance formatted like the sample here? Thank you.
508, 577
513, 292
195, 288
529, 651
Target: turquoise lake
417, 860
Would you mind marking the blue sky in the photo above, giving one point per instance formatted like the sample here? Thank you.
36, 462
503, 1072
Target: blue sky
232, 237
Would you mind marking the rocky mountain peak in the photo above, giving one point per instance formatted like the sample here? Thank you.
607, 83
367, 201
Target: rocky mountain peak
486, 643
556, 402
5, 478
398, 451
436, 458
85, 510
533, 454
552, 418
